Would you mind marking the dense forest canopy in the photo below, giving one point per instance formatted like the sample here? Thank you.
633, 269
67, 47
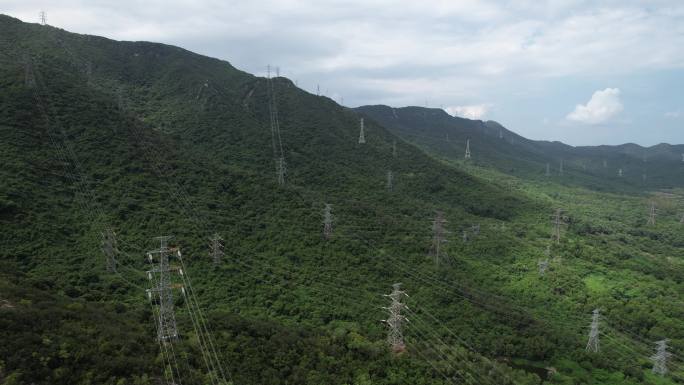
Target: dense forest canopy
139, 140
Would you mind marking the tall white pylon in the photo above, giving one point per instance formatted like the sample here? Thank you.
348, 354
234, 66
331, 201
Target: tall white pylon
109, 249
620, 173
395, 321
362, 134
390, 181
467, 152
162, 290
605, 163
438, 236
327, 221
557, 223
593, 342
548, 169
660, 358
543, 266
216, 248
652, 214
280, 170
43, 17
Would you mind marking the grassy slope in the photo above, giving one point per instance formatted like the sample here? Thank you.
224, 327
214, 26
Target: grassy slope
286, 305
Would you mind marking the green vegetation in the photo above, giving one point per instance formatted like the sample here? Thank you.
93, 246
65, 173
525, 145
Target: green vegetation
493, 146
152, 139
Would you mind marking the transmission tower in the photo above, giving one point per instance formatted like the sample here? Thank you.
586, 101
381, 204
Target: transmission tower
500, 134
162, 292
682, 157
216, 248
560, 169
43, 17
29, 78
593, 342
280, 170
109, 249
395, 321
558, 221
467, 152
276, 138
390, 178
660, 358
362, 135
620, 173
652, 214
327, 221
438, 236
543, 265
605, 163
548, 169
465, 236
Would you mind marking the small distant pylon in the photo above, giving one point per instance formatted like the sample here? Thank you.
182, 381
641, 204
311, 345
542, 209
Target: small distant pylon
327, 221
652, 214
43, 17
593, 342
475, 229
660, 358
390, 181
162, 289
548, 169
362, 134
605, 163
543, 265
465, 236
558, 221
682, 158
500, 134
438, 236
620, 173
110, 250
281, 170
29, 78
216, 248
395, 321
560, 169
467, 151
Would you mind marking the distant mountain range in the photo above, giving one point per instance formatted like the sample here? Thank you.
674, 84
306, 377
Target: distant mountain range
492, 145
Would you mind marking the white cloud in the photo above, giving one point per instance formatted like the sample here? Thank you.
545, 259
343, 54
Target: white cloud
474, 111
673, 114
603, 105
431, 44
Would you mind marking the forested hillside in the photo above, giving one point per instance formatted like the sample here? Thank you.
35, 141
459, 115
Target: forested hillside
145, 139
627, 167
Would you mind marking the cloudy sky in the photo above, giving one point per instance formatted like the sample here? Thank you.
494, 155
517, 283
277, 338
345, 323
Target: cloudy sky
583, 72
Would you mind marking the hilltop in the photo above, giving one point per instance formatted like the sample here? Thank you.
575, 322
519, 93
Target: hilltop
597, 167
147, 139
